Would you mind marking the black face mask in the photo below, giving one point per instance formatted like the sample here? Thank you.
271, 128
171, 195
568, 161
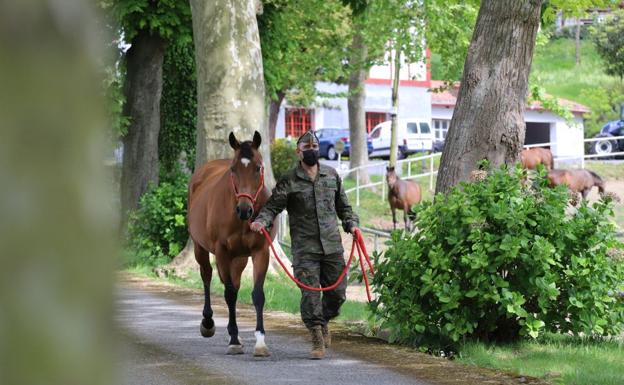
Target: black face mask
310, 157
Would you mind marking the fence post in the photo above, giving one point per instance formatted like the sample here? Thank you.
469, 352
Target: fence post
357, 187
383, 189
431, 173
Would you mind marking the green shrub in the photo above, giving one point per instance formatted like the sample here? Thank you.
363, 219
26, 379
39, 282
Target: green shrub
157, 230
283, 157
498, 259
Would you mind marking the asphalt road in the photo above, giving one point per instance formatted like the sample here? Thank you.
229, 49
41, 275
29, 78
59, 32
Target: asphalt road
162, 345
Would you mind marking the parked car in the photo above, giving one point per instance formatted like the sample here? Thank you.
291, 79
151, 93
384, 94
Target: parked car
328, 138
609, 146
414, 135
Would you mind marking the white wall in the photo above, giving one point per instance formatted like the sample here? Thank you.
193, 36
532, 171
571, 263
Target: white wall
442, 113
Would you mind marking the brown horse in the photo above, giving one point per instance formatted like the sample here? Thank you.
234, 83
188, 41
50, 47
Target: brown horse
533, 156
223, 196
402, 195
577, 180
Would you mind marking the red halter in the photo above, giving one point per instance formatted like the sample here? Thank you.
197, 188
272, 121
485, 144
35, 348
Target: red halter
243, 195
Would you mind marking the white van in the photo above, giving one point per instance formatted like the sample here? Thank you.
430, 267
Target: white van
413, 135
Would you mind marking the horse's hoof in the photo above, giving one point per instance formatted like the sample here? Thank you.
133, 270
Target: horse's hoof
262, 351
207, 332
234, 349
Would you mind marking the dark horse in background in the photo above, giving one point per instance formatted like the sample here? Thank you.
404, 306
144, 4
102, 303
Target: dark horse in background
531, 157
224, 195
402, 195
577, 180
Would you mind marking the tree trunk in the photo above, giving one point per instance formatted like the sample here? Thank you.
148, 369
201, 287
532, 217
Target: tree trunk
230, 85
488, 122
578, 41
357, 116
394, 150
144, 64
274, 107
230, 81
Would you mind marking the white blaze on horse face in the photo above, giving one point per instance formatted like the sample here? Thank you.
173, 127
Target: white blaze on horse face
245, 161
259, 339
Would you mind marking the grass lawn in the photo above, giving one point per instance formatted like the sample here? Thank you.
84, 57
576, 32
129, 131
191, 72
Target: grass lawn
555, 66
560, 359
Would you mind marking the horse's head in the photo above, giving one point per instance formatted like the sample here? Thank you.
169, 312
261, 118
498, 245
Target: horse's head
391, 176
247, 174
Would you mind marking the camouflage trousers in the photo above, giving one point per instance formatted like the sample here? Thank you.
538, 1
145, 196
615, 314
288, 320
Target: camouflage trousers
317, 308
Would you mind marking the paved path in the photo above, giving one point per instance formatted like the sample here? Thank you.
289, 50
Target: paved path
162, 345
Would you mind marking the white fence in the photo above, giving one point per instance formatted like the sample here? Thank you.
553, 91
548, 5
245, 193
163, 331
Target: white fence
432, 172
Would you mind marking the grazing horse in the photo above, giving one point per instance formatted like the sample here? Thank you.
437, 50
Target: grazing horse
533, 156
577, 180
224, 195
402, 195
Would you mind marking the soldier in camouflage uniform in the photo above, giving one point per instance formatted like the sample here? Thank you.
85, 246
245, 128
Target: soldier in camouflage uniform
313, 195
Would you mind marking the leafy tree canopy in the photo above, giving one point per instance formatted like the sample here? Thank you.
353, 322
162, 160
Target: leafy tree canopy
303, 42
608, 37
171, 19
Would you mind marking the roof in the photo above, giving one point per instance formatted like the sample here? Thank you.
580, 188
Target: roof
448, 98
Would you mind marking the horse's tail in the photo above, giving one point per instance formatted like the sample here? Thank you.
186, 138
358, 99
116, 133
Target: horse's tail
598, 181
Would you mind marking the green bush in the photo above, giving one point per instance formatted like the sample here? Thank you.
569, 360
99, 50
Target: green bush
283, 157
498, 259
157, 230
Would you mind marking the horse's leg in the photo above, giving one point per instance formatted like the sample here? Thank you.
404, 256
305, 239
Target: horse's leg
260, 266
230, 271
405, 217
207, 326
394, 221
586, 192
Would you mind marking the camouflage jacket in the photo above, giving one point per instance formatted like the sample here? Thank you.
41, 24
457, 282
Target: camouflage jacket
312, 208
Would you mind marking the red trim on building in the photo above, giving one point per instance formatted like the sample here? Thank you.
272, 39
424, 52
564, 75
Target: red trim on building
298, 121
374, 118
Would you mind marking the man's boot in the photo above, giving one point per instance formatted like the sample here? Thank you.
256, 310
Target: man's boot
318, 346
326, 336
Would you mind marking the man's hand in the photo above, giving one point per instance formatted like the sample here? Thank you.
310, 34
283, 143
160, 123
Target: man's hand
352, 230
257, 227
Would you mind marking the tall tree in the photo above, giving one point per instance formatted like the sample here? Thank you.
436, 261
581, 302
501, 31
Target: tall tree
488, 121
372, 30
302, 42
55, 205
230, 81
148, 26
178, 107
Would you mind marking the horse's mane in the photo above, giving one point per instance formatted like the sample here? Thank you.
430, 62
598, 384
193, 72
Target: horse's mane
595, 175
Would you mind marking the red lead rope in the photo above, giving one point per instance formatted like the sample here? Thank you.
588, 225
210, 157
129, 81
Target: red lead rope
358, 242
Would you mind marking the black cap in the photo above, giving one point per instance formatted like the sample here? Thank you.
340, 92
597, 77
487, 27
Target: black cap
309, 136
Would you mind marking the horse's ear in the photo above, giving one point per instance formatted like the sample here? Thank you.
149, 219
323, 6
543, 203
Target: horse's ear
234, 142
390, 168
257, 140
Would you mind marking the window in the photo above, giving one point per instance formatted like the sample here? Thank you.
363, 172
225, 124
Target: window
424, 128
374, 118
298, 121
376, 133
440, 127
412, 128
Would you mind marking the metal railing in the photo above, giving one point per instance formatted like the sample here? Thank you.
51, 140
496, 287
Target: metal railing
585, 156
431, 173
382, 183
